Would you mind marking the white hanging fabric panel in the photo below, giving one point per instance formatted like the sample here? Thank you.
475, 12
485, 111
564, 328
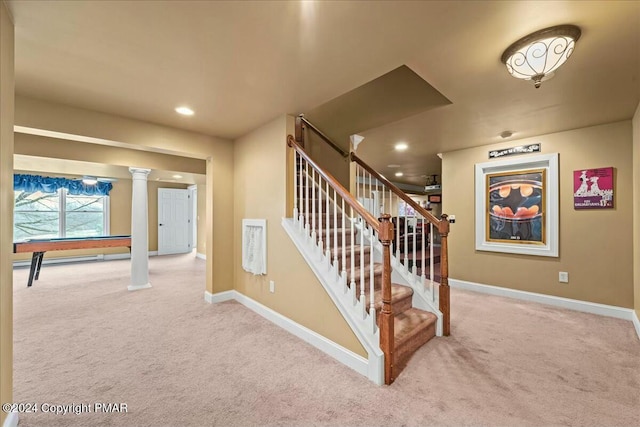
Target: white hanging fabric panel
254, 247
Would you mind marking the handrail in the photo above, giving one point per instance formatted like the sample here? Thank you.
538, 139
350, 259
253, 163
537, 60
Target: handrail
319, 133
343, 192
441, 223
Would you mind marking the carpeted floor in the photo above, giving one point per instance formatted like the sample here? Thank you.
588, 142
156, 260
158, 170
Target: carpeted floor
82, 338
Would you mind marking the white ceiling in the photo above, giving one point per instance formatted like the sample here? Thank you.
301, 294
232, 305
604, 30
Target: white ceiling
239, 64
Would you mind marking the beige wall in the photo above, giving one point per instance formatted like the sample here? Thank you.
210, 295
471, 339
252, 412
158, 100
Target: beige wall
259, 187
328, 158
6, 207
595, 245
636, 209
129, 133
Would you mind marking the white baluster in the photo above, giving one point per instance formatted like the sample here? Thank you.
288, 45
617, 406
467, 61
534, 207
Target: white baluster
423, 252
362, 283
344, 240
372, 307
431, 255
306, 198
335, 229
414, 270
327, 221
295, 186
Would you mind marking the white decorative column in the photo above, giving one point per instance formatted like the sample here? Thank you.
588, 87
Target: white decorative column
139, 231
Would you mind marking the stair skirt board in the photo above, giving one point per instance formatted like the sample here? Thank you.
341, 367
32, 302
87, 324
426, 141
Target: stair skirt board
362, 324
373, 369
568, 303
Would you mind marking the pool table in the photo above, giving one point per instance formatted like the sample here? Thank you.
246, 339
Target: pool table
40, 246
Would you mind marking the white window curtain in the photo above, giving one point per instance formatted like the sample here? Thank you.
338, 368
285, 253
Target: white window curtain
254, 246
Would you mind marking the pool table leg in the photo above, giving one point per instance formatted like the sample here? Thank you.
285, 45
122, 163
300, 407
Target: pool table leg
36, 263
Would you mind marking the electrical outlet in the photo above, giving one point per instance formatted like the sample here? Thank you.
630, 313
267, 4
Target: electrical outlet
563, 277
272, 286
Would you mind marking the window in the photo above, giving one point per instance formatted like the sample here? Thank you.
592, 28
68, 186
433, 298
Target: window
40, 215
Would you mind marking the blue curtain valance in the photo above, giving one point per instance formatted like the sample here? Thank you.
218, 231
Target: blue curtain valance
45, 184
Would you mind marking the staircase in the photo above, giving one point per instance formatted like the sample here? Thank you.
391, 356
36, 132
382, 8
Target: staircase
387, 299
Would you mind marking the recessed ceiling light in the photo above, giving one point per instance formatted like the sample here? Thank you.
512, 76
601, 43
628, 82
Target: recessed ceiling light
177, 176
185, 111
506, 134
401, 146
393, 166
399, 174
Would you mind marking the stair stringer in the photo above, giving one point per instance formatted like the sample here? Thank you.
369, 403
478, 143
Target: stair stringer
425, 293
350, 307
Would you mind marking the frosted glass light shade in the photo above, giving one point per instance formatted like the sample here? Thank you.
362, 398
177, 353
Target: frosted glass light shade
536, 56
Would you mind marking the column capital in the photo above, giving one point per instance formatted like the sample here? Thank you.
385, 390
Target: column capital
139, 172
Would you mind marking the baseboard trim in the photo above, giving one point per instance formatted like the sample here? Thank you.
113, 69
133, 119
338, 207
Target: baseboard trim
571, 304
347, 357
201, 256
636, 323
11, 420
219, 296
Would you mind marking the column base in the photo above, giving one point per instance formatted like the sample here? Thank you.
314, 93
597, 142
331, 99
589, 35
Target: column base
138, 287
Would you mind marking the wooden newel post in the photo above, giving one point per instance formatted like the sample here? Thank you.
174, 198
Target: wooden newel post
443, 229
386, 314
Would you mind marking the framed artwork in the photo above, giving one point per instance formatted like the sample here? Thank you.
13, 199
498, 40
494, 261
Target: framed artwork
593, 188
517, 206
435, 198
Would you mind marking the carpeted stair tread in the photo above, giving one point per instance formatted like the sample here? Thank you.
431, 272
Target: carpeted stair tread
401, 297
412, 329
377, 272
356, 249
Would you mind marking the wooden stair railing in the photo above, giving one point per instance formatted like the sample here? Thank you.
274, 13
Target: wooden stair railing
319, 217
442, 226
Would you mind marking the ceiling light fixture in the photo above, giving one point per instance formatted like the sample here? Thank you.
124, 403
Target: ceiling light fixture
399, 174
185, 111
401, 146
177, 176
535, 57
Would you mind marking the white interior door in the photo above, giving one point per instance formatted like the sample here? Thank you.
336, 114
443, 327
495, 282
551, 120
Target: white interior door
174, 235
193, 214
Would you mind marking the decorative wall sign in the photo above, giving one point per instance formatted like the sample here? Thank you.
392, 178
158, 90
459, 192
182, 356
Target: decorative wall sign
522, 149
593, 188
435, 198
517, 206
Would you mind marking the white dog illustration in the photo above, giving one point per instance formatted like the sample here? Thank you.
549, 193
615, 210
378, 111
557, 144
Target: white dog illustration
584, 187
595, 189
